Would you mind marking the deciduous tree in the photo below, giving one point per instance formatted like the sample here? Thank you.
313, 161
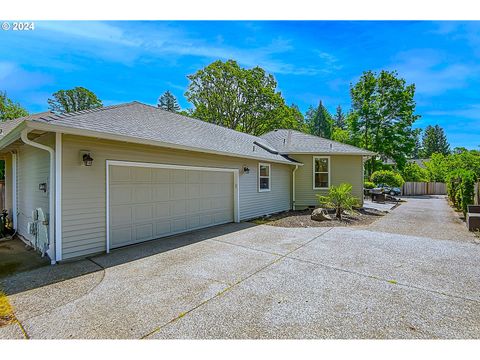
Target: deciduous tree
76, 99
246, 100
9, 109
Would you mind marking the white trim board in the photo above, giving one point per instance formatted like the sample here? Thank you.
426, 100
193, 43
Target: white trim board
58, 196
329, 172
236, 187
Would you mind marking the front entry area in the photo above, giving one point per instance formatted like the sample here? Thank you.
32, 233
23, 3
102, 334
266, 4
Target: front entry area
149, 201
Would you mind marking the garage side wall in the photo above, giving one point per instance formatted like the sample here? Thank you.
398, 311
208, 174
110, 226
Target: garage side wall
84, 188
343, 169
33, 168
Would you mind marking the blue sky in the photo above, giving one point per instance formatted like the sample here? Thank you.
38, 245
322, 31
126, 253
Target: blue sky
124, 61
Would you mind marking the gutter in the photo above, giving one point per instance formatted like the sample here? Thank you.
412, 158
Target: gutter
293, 187
51, 192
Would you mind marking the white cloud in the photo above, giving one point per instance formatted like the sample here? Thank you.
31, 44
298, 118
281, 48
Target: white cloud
107, 40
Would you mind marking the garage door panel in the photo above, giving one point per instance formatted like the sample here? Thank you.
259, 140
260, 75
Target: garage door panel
178, 176
163, 228
121, 194
142, 175
194, 177
179, 224
161, 176
144, 212
121, 215
161, 192
178, 191
144, 232
193, 221
193, 206
120, 174
147, 204
142, 193
178, 207
122, 236
162, 209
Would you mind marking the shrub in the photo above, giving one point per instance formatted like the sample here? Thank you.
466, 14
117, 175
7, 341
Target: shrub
413, 172
340, 198
368, 185
387, 177
461, 188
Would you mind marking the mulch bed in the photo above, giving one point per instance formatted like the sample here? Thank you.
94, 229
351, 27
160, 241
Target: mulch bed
301, 218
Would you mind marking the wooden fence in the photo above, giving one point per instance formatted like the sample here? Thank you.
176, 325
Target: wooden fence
424, 188
476, 199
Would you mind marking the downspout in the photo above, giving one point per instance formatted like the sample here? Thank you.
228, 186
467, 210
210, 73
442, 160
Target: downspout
14, 190
293, 187
51, 190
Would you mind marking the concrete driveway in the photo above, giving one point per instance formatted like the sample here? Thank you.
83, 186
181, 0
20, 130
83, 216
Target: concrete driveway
246, 281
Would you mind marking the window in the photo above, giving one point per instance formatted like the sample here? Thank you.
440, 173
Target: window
263, 177
321, 172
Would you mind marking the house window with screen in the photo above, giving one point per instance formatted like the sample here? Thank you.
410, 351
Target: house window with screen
263, 177
321, 168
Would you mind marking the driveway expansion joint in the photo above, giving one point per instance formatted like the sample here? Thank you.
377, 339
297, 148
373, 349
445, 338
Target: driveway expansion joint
390, 281
220, 293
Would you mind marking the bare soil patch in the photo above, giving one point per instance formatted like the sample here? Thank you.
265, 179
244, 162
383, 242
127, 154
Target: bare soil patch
301, 218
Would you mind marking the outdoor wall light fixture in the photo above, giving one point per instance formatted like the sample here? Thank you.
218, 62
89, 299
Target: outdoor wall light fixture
42, 187
87, 159
246, 170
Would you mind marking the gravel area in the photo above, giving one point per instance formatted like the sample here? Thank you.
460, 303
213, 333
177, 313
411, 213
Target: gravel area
301, 218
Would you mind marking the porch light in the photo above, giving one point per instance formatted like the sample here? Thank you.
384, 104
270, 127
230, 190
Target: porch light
246, 170
87, 159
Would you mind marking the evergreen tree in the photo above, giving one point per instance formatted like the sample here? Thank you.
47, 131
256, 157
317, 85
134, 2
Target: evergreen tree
418, 149
168, 102
319, 121
339, 118
434, 141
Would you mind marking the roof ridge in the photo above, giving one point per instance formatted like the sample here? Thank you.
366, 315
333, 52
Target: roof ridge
202, 121
55, 116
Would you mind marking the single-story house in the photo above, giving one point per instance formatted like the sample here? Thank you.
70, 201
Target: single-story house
90, 181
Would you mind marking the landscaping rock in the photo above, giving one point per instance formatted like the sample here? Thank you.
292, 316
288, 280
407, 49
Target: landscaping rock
320, 214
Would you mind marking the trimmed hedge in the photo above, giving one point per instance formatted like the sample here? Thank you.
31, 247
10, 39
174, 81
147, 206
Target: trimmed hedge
461, 188
387, 177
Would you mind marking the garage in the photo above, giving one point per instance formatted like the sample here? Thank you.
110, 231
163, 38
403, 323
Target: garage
150, 201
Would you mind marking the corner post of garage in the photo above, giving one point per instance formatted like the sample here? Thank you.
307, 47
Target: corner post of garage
58, 196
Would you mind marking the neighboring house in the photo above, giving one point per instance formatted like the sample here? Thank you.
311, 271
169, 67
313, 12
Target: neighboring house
419, 162
128, 173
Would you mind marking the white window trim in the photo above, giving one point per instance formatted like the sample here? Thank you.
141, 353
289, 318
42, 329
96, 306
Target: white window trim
269, 177
313, 172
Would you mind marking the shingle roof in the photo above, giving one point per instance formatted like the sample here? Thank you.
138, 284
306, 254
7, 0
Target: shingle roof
147, 122
8, 125
292, 141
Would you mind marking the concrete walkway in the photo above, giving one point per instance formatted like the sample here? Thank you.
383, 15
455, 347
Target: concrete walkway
245, 281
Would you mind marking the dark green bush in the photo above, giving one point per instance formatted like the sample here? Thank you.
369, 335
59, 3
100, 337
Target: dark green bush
387, 177
461, 188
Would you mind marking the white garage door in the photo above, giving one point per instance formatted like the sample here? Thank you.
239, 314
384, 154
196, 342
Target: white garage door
148, 203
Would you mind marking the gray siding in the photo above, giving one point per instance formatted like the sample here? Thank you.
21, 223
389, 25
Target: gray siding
343, 168
33, 166
83, 202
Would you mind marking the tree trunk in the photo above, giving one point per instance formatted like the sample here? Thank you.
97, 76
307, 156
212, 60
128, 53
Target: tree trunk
339, 213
